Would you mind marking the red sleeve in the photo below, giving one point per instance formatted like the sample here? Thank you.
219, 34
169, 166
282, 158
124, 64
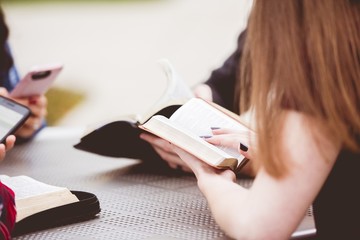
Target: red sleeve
7, 211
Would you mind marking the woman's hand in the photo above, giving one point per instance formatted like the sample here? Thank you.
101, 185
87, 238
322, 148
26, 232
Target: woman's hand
165, 151
163, 147
234, 139
9, 144
202, 171
224, 137
38, 107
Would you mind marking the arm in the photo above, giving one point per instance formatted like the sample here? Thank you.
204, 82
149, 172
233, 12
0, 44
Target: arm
271, 208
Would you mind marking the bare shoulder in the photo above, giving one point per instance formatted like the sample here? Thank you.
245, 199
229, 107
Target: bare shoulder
305, 136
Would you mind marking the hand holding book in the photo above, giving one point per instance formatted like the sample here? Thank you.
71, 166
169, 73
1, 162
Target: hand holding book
220, 136
242, 141
238, 140
201, 169
192, 120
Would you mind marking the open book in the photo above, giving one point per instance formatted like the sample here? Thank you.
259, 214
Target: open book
40, 206
193, 120
120, 137
32, 196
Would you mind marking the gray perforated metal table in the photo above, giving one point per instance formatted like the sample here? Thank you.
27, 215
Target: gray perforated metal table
136, 203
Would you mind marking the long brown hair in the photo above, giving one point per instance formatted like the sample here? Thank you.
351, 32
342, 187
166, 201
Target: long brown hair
302, 55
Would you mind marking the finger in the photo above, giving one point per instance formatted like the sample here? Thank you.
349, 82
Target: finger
25, 131
196, 165
246, 151
222, 131
40, 101
156, 141
38, 111
4, 92
163, 148
219, 130
224, 140
147, 137
169, 157
10, 142
172, 165
247, 154
173, 160
199, 167
2, 151
33, 123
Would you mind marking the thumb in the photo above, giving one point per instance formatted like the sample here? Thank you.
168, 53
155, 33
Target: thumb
4, 92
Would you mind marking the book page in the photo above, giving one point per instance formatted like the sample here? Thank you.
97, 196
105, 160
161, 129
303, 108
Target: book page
32, 196
185, 139
198, 117
25, 186
131, 118
177, 91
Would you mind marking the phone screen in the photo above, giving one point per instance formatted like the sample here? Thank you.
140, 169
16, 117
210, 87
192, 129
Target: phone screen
12, 115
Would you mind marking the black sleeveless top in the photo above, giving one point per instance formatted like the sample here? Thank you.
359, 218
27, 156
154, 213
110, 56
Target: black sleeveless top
337, 206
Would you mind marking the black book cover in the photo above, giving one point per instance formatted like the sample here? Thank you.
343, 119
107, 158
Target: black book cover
121, 139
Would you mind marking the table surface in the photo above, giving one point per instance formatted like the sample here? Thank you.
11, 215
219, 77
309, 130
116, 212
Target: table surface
136, 202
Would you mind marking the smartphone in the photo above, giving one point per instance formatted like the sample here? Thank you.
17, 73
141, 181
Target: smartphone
12, 116
37, 81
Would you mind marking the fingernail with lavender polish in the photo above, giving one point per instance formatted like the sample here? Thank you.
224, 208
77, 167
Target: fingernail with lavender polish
214, 128
205, 137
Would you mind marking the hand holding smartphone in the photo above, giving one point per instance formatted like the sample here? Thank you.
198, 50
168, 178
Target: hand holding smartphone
37, 81
12, 116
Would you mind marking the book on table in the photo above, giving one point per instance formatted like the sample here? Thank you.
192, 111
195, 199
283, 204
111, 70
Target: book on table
40, 205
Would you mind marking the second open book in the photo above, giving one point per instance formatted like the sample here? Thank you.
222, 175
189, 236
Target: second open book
177, 117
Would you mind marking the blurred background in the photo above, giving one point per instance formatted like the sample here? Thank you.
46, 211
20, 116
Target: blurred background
110, 49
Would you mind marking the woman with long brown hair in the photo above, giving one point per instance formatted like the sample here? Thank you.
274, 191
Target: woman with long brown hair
301, 76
